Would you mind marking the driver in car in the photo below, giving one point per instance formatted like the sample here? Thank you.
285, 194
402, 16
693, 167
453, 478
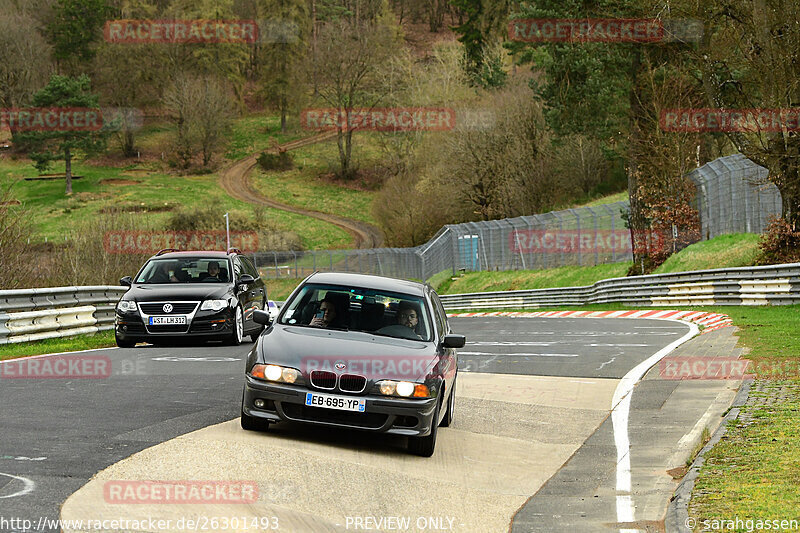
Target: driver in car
213, 272
407, 315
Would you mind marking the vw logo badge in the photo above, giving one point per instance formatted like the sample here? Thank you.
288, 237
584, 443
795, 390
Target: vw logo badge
340, 366
167, 308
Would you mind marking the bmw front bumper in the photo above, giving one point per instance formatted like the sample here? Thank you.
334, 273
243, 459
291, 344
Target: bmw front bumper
383, 414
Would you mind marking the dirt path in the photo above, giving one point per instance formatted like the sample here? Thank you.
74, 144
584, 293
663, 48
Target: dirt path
234, 179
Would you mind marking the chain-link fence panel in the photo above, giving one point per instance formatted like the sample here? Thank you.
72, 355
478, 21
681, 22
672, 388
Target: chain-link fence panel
584, 236
734, 196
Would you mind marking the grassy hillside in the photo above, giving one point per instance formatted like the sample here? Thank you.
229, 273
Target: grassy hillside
725, 251
309, 185
152, 195
721, 252
609, 199
146, 187
568, 276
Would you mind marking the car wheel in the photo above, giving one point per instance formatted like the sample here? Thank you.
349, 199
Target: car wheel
235, 338
250, 423
424, 446
123, 343
451, 405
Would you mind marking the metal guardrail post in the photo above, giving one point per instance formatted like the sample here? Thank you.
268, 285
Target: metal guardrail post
3, 329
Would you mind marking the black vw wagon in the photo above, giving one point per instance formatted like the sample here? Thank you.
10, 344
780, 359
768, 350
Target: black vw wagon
205, 295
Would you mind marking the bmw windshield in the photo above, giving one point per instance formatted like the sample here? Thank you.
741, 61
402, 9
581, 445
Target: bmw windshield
371, 311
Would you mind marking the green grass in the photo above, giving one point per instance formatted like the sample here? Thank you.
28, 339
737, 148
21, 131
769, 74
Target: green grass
256, 133
753, 471
156, 193
303, 186
280, 289
103, 339
567, 276
440, 280
725, 251
771, 333
608, 199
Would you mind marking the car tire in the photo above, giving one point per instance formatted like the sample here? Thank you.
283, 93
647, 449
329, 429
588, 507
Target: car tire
250, 423
235, 337
451, 405
424, 446
123, 343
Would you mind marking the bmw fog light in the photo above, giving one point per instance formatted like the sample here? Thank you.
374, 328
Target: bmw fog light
259, 403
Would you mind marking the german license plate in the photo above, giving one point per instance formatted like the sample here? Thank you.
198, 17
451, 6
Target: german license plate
329, 401
166, 320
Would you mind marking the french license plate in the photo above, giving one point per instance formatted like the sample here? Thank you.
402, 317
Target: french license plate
330, 401
166, 320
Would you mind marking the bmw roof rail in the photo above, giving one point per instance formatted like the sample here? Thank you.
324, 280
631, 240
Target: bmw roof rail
166, 251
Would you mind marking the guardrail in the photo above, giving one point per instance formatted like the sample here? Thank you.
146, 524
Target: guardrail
767, 285
37, 314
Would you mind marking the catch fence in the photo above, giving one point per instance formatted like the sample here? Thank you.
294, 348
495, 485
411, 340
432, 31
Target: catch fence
584, 236
734, 196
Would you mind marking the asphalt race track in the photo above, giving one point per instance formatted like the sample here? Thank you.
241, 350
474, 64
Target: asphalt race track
575, 347
56, 434
59, 433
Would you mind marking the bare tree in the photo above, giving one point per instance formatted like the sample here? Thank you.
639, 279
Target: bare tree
25, 66
436, 10
351, 61
201, 110
15, 231
751, 60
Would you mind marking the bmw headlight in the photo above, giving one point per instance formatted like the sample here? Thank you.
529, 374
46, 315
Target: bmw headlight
214, 305
125, 306
275, 373
405, 389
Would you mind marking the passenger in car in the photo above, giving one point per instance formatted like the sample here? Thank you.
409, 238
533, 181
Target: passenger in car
334, 310
162, 275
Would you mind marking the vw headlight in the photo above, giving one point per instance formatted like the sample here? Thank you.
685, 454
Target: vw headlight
126, 306
214, 305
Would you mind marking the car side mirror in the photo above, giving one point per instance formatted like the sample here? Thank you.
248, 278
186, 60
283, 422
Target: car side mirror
262, 317
126, 281
246, 278
454, 341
